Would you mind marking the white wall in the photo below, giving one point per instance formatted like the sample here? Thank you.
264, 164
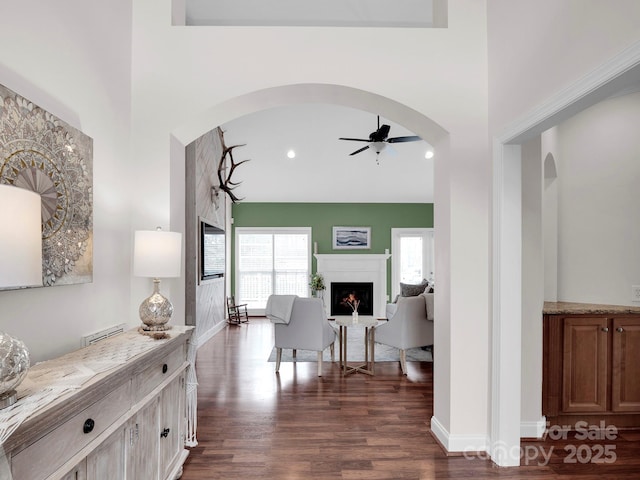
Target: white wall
538, 47
189, 80
598, 177
73, 58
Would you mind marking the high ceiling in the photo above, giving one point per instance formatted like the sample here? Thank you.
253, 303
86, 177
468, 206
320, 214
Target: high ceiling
323, 170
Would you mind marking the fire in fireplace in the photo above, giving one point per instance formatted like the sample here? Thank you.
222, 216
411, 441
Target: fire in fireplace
344, 292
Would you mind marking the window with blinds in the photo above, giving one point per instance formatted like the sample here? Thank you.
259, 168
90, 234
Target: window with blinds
271, 261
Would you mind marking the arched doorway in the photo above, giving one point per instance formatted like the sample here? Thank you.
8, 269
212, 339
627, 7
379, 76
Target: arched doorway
418, 123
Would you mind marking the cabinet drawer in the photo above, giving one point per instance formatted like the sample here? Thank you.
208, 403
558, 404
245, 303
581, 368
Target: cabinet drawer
49, 453
154, 375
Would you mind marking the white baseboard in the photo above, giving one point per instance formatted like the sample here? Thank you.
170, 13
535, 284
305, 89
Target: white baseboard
533, 429
210, 333
479, 443
458, 443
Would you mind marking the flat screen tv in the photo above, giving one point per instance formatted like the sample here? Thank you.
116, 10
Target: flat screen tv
212, 251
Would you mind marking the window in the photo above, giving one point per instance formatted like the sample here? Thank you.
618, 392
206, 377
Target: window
413, 257
271, 261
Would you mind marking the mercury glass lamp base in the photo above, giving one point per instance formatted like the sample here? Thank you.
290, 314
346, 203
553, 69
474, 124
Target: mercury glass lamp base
8, 398
155, 311
14, 365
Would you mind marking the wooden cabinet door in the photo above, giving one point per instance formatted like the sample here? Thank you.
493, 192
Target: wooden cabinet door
107, 461
143, 443
585, 364
625, 384
172, 411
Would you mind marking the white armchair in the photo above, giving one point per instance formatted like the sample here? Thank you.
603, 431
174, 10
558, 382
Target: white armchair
308, 329
409, 325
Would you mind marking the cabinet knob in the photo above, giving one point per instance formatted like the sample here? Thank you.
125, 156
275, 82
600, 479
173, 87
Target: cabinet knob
88, 425
165, 367
605, 329
165, 433
620, 329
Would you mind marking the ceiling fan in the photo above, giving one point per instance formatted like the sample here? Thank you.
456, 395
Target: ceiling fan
379, 139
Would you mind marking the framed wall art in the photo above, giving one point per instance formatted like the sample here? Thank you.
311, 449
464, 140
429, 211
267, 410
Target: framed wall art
351, 238
42, 153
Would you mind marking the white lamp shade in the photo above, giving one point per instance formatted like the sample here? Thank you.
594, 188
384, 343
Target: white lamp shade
157, 254
20, 237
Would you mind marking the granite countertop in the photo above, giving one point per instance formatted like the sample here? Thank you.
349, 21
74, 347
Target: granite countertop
559, 308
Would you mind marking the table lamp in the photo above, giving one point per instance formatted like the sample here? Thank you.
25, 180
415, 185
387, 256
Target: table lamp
156, 254
20, 266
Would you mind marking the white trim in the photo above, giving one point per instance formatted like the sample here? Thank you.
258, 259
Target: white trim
507, 310
588, 90
440, 432
458, 443
533, 429
209, 334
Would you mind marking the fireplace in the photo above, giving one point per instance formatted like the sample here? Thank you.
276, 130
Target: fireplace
359, 267
341, 292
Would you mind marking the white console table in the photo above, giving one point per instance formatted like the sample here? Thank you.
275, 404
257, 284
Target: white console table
121, 414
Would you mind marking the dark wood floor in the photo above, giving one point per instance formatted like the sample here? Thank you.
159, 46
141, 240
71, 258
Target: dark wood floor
254, 423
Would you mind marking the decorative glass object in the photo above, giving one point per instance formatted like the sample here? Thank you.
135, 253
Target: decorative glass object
156, 310
14, 365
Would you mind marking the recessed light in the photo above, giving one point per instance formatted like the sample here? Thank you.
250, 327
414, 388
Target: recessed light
428, 154
291, 154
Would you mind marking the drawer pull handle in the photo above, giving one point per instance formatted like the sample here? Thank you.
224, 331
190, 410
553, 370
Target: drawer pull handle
605, 329
165, 367
88, 425
620, 329
165, 433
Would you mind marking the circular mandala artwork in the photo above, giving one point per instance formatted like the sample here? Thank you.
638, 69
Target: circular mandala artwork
41, 153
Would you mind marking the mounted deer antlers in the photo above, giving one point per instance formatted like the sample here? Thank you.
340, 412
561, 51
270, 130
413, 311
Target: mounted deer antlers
226, 184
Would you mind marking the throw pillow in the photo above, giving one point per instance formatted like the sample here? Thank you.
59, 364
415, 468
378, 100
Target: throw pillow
409, 290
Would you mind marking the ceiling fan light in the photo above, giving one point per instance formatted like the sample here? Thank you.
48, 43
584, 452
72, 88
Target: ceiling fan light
379, 146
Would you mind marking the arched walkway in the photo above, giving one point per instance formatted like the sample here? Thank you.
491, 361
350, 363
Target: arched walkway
423, 126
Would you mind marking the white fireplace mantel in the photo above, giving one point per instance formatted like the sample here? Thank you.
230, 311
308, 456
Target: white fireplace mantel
365, 267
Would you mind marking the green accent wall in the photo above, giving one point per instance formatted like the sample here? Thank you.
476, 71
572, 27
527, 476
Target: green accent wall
322, 217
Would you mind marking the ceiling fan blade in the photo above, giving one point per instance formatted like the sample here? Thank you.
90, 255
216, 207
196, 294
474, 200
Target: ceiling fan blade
359, 150
410, 138
354, 139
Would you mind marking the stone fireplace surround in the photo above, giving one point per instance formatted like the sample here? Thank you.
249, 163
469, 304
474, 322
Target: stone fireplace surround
348, 267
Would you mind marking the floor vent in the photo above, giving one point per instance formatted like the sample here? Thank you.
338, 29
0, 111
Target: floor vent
102, 334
